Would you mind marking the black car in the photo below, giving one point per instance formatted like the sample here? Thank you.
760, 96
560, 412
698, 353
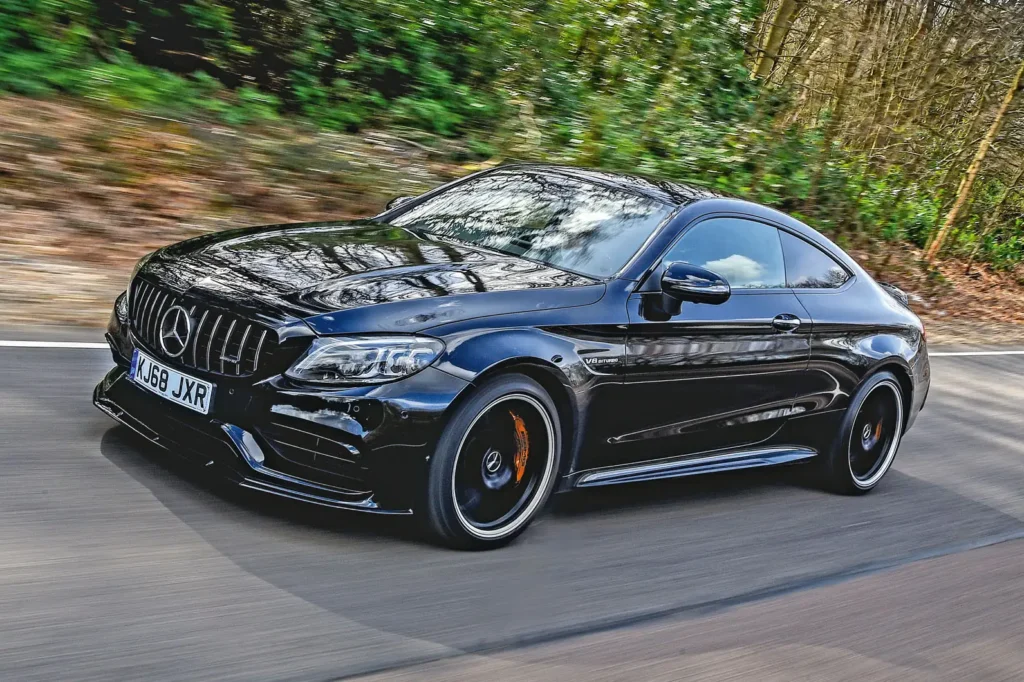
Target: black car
522, 331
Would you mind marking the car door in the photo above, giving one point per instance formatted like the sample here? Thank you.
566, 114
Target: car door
722, 376
841, 320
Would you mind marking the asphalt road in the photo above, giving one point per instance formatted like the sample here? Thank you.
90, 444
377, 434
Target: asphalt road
116, 564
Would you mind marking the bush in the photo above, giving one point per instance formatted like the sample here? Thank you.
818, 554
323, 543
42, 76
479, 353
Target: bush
657, 86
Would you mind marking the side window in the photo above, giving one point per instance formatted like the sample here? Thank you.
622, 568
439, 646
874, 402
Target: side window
808, 267
745, 253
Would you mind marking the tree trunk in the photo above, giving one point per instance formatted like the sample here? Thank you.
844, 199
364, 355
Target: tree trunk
753, 46
841, 96
778, 30
992, 219
971, 134
972, 170
842, 92
798, 66
956, 26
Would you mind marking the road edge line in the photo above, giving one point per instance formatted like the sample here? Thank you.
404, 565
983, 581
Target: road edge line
53, 344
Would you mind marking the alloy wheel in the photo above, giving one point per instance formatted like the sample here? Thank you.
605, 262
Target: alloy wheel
503, 464
876, 434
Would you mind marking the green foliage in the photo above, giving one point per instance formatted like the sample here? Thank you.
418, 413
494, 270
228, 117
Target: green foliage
42, 43
1008, 252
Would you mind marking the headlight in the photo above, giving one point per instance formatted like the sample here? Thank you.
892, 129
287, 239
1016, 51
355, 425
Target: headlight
364, 359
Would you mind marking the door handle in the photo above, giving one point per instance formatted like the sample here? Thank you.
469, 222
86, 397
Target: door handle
786, 322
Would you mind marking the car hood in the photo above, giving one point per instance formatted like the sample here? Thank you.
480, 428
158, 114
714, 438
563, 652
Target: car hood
363, 276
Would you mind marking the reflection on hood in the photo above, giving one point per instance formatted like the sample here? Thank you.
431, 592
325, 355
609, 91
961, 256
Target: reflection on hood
312, 269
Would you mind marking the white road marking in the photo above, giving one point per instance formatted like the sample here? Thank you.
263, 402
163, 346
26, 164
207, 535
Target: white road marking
941, 354
52, 344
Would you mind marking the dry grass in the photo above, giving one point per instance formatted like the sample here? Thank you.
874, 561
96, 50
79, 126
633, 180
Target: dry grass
84, 193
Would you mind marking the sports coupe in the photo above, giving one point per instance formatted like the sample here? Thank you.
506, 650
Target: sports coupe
525, 330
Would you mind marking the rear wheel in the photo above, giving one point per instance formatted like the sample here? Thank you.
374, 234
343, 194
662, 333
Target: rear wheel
869, 437
495, 464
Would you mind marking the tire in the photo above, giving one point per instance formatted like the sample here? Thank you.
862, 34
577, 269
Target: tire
868, 438
495, 465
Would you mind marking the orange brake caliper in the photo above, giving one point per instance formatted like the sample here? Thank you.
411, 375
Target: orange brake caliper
522, 446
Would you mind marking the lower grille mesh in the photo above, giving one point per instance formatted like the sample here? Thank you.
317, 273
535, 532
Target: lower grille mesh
303, 449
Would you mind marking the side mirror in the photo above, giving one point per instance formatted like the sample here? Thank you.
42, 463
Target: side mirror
685, 282
396, 202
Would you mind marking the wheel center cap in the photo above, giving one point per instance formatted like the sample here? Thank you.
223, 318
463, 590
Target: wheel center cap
866, 434
492, 461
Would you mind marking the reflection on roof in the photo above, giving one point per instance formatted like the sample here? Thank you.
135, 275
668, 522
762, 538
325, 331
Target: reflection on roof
663, 190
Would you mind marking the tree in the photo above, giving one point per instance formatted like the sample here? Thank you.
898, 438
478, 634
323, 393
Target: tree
993, 217
779, 29
972, 170
842, 93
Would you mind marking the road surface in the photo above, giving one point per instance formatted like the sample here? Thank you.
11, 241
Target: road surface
115, 564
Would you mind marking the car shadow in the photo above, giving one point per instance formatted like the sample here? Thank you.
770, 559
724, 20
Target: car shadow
173, 480
599, 556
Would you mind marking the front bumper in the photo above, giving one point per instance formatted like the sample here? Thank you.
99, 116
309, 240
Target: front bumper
363, 449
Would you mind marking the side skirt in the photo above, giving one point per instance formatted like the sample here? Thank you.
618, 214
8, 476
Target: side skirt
676, 467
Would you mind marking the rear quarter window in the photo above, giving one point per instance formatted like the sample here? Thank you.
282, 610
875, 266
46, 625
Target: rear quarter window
808, 267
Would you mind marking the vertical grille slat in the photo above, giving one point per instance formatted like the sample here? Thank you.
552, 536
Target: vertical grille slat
138, 293
259, 347
140, 329
197, 334
241, 349
209, 343
151, 311
224, 348
153, 324
148, 314
239, 344
150, 304
134, 300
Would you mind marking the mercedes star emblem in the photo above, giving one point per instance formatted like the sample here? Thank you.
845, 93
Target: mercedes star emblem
492, 461
175, 328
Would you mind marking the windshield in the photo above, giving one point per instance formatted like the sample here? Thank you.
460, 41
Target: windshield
558, 220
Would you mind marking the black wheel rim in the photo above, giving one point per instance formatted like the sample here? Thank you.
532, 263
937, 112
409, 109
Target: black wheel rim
503, 464
875, 435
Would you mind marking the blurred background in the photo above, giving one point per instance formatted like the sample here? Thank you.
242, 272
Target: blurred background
894, 126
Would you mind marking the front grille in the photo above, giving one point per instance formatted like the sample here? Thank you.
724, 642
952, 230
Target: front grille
220, 342
313, 452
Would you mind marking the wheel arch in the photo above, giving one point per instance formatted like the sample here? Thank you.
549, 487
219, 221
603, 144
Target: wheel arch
554, 360
899, 368
553, 381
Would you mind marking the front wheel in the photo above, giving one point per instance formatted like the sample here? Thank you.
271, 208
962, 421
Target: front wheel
495, 464
868, 439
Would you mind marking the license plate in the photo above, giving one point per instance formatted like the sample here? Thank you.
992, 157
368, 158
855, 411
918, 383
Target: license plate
154, 376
